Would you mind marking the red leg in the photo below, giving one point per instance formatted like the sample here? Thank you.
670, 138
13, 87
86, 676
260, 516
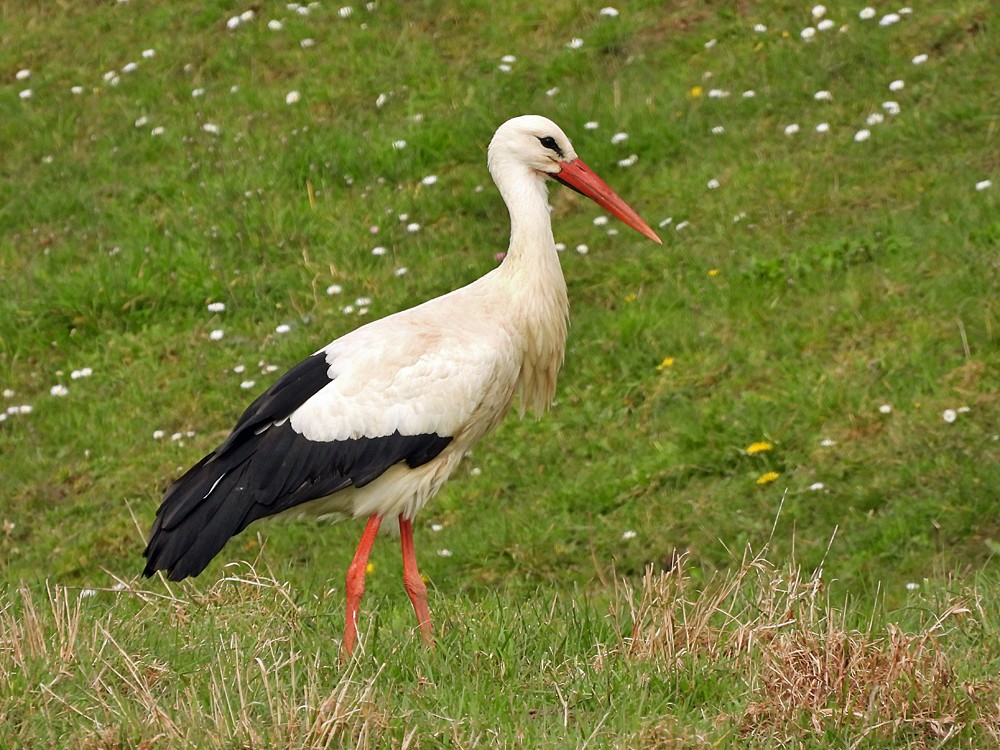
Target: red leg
356, 583
414, 583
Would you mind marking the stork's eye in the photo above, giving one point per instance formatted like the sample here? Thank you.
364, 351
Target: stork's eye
550, 143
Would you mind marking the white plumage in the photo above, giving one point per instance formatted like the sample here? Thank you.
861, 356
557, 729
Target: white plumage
373, 423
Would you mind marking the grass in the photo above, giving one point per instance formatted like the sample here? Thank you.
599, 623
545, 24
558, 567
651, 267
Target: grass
822, 279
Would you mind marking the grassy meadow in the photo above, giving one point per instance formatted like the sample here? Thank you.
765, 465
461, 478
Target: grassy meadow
764, 509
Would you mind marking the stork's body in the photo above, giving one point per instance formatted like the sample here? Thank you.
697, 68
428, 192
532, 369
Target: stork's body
374, 423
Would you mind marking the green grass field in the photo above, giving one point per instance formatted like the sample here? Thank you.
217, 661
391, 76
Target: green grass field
828, 293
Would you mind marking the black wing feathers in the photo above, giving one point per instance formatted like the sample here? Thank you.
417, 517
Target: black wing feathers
265, 467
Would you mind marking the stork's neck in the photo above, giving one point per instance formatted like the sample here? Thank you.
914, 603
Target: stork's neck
532, 250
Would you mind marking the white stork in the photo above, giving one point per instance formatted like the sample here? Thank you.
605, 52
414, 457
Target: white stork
374, 423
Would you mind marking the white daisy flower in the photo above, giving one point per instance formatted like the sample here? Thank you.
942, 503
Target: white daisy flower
149, 53
334, 289
307, 43
807, 33
345, 12
109, 75
429, 179
211, 128
274, 25
823, 127
197, 92
381, 100
816, 486
619, 138
158, 434
414, 227
130, 67
283, 328
792, 129
216, 335
141, 121
246, 385
919, 59
233, 22
378, 250
600, 221
508, 59
713, 184
217, 307
862, 135
710, 43
158, 130
749, 94
825, 25
552, 91
26, 94
444, 553
292, 96
592, 125
575, 43
760, 28
888, 19
891, 107
866, 13
949, 415
401, 271
609, 12
718, 130
23, 75
626, 535
905, 11
77, 90
582, 249
59, 390
823, 96
896, 86
628, 161
912, 586
875, 118
885, 409
239, 369
504, 68
399, 145
984, 184
818, 11
681, 225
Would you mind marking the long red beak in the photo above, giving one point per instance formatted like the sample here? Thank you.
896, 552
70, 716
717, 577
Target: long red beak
578, 176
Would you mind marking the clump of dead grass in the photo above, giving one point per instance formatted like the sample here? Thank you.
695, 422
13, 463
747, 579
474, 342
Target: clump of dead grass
807, 668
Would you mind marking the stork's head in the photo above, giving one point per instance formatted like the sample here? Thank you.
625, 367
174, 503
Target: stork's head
535, 144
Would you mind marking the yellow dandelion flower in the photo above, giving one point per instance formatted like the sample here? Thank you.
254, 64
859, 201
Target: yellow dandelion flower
369, 568
631, 297
785, 35
759, 447
667, 362
769, 477
714, 272
695, 92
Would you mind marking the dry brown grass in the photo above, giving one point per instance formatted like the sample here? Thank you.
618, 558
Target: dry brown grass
808, 671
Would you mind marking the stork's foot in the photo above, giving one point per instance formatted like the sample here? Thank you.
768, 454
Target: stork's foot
355, 584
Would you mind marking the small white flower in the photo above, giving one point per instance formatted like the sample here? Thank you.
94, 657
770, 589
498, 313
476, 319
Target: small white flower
345, 12
275, 25
302, 10
600, 221
363, 301
334, 289
920, 59
378, 250
905, 11
217, 307
823, 127
239, 369
87, 593
158, 130
619, 138
77, 90
713, 184
681, 225
862, 135
247, 16
575, 43
381, 100
401, 271
9, 393
885, 409
792, 129
896, 86
283, 328
609, 12
612, 232
718, 130
158, 434
444, 553
582, 249
760, 28
949, 415
807, 33
414, 227
816, 486
866, 13
710, 43
552, 91
823, 96
246, 385
210, 128
717, 94
176, 436
875, 118
818, 11
962, 409
141, 121
115, 81
825, 25
888, 19
197, 92
23, 75
271, 368
628, 161
109, 75
233, 22
403, 217
560, 246
398, 145
130, 67
827, 443
86, 372
891, 107
26, 94
504, 68
59, 390
912, 586
149, 53
429, 179
508, 59
216, 335
437, 527
292, 96
233, 89
475, 471
984, 184
307, 43
749, 94
666, 221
